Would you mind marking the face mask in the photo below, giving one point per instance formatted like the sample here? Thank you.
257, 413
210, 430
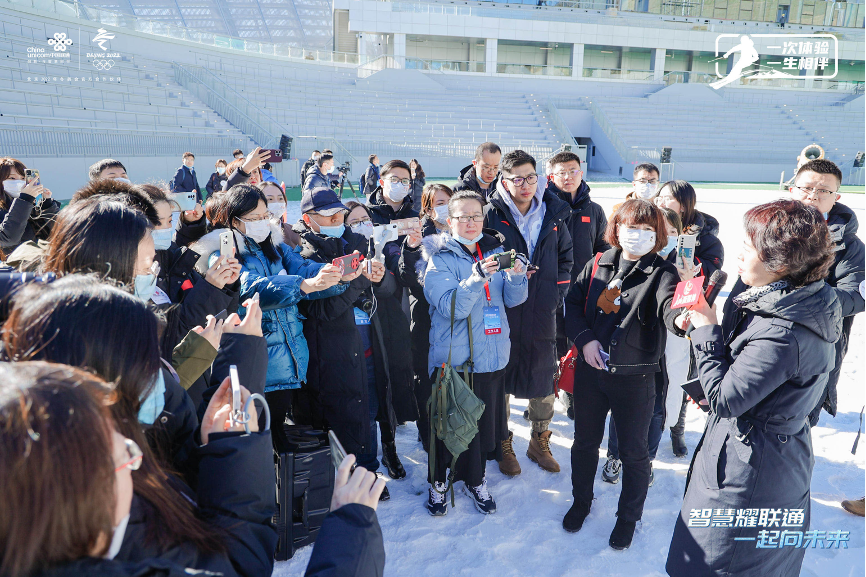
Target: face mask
481, 180
396, 191
645, 191
221, 169
117, 538
636, 241
333, 231
162, 238
258, 230
671, 245
121, 179
826, 215
145, 285
365, 229
277, 209
153, 405
462, 240
441, 213
13, 187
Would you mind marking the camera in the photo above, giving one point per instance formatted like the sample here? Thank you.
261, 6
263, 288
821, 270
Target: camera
506, 260
346, 167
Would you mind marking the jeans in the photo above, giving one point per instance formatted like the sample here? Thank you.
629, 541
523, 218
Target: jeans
654, 436
370, 460
630, 399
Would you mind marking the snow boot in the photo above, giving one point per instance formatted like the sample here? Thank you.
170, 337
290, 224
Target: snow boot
575, 517
539, 451
622, 534
392, 461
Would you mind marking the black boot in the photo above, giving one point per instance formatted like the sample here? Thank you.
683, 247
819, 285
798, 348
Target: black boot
678, 444
621, 536
570, 401
575, 517
392, 461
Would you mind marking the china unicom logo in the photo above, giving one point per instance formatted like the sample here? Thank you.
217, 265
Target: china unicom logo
60, 41
102, 37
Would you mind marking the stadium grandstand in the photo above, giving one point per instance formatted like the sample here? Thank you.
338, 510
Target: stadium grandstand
618, 81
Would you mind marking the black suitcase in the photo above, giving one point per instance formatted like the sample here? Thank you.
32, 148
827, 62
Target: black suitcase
305, 483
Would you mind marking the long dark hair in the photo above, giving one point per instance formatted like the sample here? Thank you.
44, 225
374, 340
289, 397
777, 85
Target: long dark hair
7, 165
82, 322
99, 235
56, 467
419, 172
685, 194
223, 208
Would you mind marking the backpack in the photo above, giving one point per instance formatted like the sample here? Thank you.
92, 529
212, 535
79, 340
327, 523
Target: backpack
453, 407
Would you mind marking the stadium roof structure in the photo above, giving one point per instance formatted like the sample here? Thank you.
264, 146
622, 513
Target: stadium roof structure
304, 23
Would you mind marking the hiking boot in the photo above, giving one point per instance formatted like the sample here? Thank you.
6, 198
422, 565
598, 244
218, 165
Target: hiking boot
509, 465
611, 470
855, 507
622, 534
652, 476
392, 461
436, 504
575, 517
678, 444
539, 451
385, 496
483, 500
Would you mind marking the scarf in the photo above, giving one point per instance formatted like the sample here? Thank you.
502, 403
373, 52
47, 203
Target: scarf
752, 294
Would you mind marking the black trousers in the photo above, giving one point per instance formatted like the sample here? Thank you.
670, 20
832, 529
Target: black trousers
280, 403
630, 400
472, 463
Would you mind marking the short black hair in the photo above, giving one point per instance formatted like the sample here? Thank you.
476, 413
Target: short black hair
514, 159
237, 151
315, 151
372, 156
128, 194
488, 147
389, 166
190, 154
323, 158
97, 167
647, 166
562, 158
461, 196
821, 166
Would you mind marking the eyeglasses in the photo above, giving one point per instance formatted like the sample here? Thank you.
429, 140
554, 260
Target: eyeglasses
519, 180
360, 222
566, 173
395, 180
134, 454
645, 181
266, 216
466, 218
154, 269
809, 191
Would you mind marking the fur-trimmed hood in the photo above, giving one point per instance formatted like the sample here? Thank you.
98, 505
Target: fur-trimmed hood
210, 243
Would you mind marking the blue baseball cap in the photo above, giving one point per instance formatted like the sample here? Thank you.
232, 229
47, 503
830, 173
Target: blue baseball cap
322, 201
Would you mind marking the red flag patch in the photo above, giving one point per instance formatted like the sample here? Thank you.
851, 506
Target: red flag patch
187, 284
584, 219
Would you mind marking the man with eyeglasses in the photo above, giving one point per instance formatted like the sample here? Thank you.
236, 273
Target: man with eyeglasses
817, 183
534, 222
480, 176
645, 183
586, 226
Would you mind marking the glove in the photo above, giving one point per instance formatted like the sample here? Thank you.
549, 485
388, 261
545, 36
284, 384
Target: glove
479, 272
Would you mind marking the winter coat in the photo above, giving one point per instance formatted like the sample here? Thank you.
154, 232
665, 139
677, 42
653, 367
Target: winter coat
449, 270
762, 370
306, 168
709, 251
349, 544
278, 285
236, 492
215, 183
370, 180
21, 221
467, 181
185, 180
638, 342
416, 189
337, 375
382, 213
586, 225
191, 358
533, 323
316, 179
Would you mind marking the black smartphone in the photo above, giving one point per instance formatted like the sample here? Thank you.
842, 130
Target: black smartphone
338, 453
222, 315
694, 389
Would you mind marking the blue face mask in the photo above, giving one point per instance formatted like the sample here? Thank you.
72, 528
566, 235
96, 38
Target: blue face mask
333, 231
462, 240
162, 238
153, 405
671, 245
145, 285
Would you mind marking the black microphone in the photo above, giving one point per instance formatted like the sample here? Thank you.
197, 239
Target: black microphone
714, 287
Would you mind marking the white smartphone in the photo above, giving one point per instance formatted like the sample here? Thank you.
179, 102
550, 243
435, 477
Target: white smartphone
686, 250
236, 392
226, 244
183, 200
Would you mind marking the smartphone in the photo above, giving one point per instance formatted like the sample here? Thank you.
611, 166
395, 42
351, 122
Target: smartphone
236, 393
221, 316
405, 224
226, 244
338, 453
506, 259
184, 200
604, 359
694, 389
349, 263
276, 155
30, 174
686, 250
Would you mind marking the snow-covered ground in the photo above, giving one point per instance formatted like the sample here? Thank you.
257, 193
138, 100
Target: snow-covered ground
525, 536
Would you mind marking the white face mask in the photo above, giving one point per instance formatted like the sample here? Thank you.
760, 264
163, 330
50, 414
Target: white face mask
13, 187
636, 241
277, 209
258, 230
117, 538
645, 191
441, 213
396, 191
365, 228
221, 169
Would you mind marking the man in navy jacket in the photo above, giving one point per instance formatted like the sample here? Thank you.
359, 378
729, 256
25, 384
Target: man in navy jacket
185, 179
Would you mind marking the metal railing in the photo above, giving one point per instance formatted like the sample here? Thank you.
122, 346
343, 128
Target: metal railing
533, 69
618, 74
428, 65
818, 83
557, 122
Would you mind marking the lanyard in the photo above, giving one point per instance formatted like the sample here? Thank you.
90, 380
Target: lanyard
479, 258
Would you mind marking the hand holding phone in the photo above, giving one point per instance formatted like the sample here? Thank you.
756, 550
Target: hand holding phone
686, 244
338, 453
237, 415
274, 155
349, 263
226, 248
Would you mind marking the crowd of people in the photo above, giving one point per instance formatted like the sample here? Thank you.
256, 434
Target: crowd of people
117, 353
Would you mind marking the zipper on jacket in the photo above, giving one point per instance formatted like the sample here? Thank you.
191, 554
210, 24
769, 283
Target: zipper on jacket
285, 332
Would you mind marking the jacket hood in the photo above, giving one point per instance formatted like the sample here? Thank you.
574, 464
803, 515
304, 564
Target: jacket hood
704, 225
841, 214
468, 180
555, 207
814, 306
